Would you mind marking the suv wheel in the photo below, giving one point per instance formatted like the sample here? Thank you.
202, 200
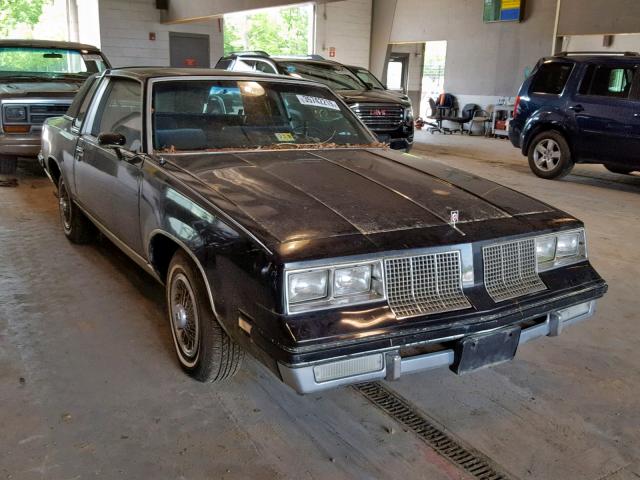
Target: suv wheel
549, 155
620, 170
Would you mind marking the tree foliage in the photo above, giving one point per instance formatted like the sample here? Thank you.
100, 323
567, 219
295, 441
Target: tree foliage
19, 12
283, 32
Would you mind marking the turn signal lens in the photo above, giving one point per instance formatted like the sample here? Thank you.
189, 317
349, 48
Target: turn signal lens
16, 128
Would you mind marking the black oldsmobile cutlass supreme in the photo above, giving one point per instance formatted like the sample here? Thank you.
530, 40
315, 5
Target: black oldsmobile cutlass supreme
280, 227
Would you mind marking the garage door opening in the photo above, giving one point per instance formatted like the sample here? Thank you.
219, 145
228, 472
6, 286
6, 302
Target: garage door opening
277, 31
435, 56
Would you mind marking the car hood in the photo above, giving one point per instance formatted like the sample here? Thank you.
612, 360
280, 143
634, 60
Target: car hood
372, 96
320, 194
15, 88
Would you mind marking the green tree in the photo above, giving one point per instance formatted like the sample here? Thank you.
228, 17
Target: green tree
232, 38
19, 12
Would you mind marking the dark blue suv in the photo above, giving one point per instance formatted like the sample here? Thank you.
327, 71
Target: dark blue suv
581, 107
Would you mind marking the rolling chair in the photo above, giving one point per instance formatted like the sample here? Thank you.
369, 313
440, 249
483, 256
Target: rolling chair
466, 115
440, 110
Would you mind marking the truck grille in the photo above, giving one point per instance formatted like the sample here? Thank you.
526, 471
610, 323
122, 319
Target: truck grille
510, 270
38, 113
425, 284
379, 116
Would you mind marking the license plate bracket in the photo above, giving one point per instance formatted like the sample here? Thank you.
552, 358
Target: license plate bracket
485, 350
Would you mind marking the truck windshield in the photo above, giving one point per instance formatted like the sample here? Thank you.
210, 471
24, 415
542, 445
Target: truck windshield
48, 62
368, 78
335, 76
232, 115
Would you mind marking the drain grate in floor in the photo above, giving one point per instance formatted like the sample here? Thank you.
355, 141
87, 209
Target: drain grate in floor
401, 411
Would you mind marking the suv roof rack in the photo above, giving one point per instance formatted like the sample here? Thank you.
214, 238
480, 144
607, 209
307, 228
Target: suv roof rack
255, 53
624, 54
303, 57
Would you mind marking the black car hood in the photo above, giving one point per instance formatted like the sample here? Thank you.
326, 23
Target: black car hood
320, 194
372, 96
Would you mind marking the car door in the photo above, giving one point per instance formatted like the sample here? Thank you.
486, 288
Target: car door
108, 179
605, 113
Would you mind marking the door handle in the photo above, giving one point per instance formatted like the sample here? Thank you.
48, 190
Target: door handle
79, 153
576, 108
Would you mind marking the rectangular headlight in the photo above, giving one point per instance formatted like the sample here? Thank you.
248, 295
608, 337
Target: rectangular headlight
560, 249
15, 113
320, 288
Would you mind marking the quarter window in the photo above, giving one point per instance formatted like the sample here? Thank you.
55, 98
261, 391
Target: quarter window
607, 81
120, 111
551, 78
92, 84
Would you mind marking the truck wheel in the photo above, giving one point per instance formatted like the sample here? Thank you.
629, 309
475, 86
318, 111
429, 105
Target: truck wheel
204, 349
8, 164
76, 226
620, 170
549, 155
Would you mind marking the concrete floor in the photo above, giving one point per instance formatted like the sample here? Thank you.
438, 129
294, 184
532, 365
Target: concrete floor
89, 386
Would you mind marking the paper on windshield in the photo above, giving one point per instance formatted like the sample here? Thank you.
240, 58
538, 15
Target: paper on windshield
317, 102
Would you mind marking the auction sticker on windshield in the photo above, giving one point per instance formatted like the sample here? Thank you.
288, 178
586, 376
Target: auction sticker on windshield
285, 137
317, 102
91, 57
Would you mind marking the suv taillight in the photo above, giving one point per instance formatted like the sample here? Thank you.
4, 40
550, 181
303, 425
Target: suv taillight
515, 107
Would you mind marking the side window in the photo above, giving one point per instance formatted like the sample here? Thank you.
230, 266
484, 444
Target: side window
551, 78
86, 101
82, 93
264, 67
120, 111
608, 81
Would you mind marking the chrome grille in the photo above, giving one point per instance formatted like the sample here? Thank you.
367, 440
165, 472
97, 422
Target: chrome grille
425, 284
510, 269
38, 113
380, 116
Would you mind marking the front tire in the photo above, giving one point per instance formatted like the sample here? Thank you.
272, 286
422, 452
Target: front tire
620, 170
204, 349
549, 155
76, 226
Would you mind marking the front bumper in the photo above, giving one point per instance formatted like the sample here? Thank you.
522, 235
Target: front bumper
20, 144
392, 363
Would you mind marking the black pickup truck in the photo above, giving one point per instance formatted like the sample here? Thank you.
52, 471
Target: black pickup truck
38, 80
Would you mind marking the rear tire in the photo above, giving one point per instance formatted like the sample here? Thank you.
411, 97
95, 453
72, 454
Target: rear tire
76, 226
549, 155
204, 349
620, 170
8, 164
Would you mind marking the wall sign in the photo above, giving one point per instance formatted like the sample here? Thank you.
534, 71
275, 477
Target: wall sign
503, 10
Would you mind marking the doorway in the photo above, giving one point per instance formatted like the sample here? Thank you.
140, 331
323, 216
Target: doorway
397, 72
189, 50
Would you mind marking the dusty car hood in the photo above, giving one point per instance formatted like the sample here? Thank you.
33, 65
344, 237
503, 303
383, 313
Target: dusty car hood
16, 88
306, 195
372, 96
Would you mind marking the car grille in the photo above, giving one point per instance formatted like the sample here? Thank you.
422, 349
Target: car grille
380, 116
425, 284
510, 270
40, 112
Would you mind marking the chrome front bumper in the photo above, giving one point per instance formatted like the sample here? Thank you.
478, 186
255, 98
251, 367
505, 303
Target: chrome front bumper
20, 144
389, 365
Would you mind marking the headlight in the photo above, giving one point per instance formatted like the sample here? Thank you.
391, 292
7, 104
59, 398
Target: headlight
14, 113
408, 113
559, 249
332, 286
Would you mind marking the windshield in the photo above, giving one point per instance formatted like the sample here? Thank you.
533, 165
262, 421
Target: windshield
369, 79
334, 76
48, 62
229, 114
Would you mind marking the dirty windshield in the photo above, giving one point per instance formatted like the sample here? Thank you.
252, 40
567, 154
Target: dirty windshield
229, 115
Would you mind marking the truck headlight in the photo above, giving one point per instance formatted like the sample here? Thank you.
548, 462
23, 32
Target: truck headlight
15, 113
559, 249
330, 286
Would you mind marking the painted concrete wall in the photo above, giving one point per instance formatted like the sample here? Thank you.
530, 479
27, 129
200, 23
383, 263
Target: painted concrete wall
584, 17
125, 27
482, 58
346, 26
382, 20
621, 43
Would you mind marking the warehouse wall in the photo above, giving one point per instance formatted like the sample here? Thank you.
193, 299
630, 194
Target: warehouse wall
621, 43
125, 27
345, 26
587, 17
482, 58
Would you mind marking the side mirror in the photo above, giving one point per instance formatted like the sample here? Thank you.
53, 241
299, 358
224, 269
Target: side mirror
111, 140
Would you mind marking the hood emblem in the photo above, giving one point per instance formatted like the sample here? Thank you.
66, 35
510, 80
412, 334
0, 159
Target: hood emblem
455, 218
378, 112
